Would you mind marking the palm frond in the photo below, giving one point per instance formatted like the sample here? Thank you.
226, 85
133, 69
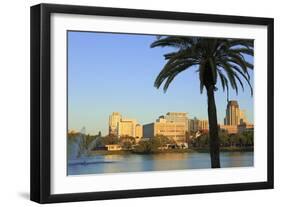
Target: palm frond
224, 81
230, 75
168, 76
241, 42
246, 51
172, 41
215, 57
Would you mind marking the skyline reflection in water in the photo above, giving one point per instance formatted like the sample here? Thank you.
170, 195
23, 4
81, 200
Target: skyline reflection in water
154, 162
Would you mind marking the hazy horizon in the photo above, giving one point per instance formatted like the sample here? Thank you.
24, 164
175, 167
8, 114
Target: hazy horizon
115, 73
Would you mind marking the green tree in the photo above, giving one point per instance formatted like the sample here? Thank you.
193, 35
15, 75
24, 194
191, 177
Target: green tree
236, 140
148, 146
110, 139
203, 140
213, 58
249, 138
127, 142
224, 139
132, 140
163, 140
127, 145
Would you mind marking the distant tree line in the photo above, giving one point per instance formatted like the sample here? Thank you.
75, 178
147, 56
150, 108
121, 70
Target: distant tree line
245, 139
155, 144
129, 143
126, 142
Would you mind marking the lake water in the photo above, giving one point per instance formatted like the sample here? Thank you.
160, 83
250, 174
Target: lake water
154, 162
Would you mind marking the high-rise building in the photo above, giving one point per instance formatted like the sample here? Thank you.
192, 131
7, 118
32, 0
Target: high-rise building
173, 126
114, 119
177, 117
232, 113
193, 125
122, 127
127, 127
198, 125
139, 131
203, 125
235, 120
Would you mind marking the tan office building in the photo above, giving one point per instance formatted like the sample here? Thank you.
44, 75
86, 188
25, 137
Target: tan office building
242, 117
235, 120
127, 127
234, 115
123, 127
229, 129
139, 131
175, 130
177, 117
198, 125
203, 125
245, 128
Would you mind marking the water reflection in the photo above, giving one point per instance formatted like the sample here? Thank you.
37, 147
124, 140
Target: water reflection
155, 162
234, 159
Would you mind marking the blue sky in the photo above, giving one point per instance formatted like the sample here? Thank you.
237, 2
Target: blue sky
116, 72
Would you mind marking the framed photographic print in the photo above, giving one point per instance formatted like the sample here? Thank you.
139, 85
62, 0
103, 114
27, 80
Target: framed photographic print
132, 103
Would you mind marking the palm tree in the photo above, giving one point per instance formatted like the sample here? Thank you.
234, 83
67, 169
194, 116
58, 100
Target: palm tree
212, 58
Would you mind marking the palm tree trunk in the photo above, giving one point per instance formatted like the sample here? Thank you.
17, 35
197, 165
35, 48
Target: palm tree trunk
213, 128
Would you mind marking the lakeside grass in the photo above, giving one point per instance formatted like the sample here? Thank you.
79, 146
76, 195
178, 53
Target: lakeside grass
190, 150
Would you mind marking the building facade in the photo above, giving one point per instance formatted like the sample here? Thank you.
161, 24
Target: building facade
242, 117
177, 117
203, 125
139, 131
229, 129
198, 125
245, 128
113, 147
114, 119
173, 126
127, 127
235, 120
122, 127
193, 124
232, 113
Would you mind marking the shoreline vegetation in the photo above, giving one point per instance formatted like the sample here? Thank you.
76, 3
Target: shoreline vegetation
112, 145
189, 150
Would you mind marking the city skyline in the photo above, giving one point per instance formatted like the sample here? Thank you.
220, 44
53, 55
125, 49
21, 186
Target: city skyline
115, 72
117, 117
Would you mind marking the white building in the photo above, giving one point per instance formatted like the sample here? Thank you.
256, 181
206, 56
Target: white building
123, 127
114, 119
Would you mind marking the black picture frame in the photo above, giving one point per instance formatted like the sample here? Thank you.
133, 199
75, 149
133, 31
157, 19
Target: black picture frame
41, 102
